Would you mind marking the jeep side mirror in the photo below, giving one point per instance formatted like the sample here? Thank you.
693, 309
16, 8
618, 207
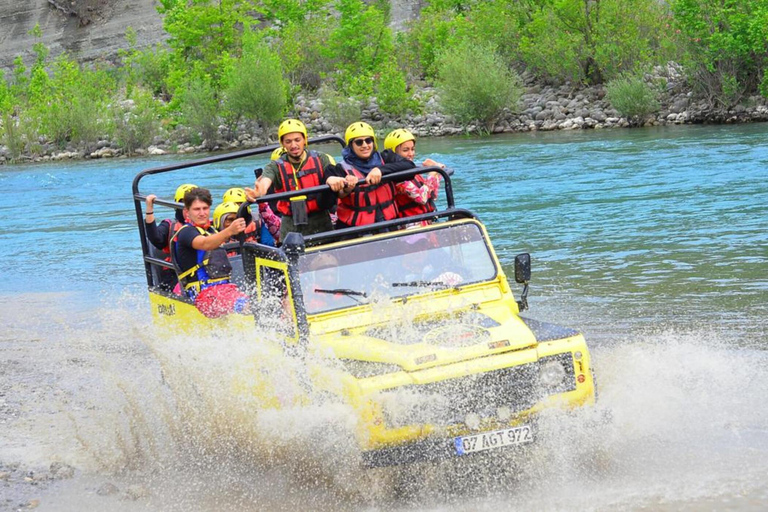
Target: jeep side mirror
523, 268
522, 276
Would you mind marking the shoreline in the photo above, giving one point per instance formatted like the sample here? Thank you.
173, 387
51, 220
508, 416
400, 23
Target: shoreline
541, 108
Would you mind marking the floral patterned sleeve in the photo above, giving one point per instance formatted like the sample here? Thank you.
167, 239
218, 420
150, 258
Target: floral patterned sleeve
270, 219
433, 184
420, 194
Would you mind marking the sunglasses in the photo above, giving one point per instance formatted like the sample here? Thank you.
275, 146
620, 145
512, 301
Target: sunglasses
360, 142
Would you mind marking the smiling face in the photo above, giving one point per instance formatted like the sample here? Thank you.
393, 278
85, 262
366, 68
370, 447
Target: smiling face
294, 144
407, 150
198, 212
363, 147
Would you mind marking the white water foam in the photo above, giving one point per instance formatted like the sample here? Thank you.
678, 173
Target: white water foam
168, 422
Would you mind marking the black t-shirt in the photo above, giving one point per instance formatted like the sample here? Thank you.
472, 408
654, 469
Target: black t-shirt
186, 255
158, 233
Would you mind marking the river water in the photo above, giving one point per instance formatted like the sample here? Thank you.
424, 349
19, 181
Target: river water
651, 241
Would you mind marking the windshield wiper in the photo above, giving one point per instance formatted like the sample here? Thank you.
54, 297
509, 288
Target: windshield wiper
415, 284
344, 291
427, 284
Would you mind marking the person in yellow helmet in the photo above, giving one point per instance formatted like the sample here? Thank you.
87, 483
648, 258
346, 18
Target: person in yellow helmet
263, 228
372, 201
297, 168
417, 195
160, 235
204, 269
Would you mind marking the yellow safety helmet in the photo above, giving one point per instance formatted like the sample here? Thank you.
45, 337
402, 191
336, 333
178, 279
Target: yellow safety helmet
276, 154
291, 126
359, 129
235, 195
183, 189
221, 211
397, 137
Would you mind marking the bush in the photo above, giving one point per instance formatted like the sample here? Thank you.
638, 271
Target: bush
136, 126
392, 91
71, 106
726, 46
147, 68
199, 109
475, 85
255, 87
632, 97
340, 110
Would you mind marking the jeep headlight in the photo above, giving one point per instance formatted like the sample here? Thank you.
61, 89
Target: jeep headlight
551, 373
407, 406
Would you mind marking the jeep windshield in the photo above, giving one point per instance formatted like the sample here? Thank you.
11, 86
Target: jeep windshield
397, 266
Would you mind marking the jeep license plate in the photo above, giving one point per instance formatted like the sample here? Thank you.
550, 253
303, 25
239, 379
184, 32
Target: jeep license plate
496, 439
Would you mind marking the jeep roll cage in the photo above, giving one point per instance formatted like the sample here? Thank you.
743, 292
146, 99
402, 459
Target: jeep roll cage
449, 213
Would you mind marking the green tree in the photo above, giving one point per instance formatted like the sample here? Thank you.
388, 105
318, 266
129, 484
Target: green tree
359, 46
303, 51
203, 32
727, 43
594, 40
146, 67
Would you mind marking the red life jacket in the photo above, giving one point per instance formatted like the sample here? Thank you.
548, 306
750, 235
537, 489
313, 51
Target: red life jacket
360, 207
251, 234
310, 175
407, 207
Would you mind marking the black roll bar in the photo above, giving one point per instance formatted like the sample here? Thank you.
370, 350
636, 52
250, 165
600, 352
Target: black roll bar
450, 212
138, 197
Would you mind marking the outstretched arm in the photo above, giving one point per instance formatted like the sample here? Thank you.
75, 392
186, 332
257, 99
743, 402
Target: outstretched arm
214, 241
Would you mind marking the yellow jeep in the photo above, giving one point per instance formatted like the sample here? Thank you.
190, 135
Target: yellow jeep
415, 328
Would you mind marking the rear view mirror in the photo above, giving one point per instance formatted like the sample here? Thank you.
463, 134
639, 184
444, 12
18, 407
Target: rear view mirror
523, 268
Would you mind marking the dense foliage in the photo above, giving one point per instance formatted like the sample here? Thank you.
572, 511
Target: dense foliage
727, 46
230, 61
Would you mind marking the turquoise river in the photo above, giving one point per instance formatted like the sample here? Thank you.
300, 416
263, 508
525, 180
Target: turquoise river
653, 242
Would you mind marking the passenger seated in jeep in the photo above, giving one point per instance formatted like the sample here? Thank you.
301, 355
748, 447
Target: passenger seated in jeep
264, 226
160, 235
425, 263
372, 201
203, 266
294, 169
417, 195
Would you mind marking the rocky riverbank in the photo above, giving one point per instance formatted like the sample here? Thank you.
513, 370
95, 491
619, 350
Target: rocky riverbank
541, 108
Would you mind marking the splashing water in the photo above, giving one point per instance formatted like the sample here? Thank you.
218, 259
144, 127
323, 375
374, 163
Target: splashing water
173, 423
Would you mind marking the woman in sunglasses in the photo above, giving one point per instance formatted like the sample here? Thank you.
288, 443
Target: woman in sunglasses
371, 201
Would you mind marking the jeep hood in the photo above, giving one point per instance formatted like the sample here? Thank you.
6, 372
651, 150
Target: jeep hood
424, 345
